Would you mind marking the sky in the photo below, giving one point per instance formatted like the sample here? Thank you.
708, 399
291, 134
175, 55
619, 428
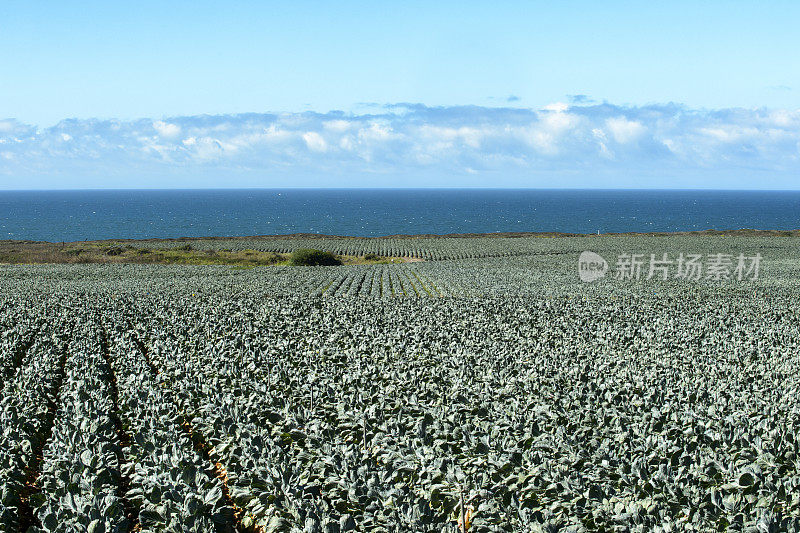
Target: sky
531, 94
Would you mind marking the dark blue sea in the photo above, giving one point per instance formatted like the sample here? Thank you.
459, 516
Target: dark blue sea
105, 214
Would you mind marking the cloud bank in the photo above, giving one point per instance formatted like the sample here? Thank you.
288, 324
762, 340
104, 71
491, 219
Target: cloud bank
559, 145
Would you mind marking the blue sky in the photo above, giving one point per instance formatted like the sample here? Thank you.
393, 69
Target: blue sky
85, 85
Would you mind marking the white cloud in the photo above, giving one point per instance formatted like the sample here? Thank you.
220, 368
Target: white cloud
557, 106
337, 125
625, 131
315, 142
167, 130
412, 138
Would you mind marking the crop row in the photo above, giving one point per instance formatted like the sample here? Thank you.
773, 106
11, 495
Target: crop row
173, 486
381, 282
27, 405
80, 450
81, 469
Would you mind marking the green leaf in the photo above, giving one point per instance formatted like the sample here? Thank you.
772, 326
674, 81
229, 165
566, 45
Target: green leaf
213, 496
277, 524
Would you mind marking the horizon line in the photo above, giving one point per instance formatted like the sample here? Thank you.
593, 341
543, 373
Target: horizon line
433, 188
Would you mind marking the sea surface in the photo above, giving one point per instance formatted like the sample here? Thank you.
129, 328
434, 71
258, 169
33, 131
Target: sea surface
105, 214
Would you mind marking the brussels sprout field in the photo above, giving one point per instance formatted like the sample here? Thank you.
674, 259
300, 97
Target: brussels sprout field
492, 392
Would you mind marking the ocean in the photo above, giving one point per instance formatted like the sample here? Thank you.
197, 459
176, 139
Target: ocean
106, 214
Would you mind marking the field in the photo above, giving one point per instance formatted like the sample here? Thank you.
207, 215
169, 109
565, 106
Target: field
173, 252
483, 389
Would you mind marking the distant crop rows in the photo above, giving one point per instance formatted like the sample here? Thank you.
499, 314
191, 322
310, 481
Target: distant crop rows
408, 280
423, 248
438, 249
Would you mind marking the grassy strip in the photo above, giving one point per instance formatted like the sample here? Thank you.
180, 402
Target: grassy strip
19, 252
81, 253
